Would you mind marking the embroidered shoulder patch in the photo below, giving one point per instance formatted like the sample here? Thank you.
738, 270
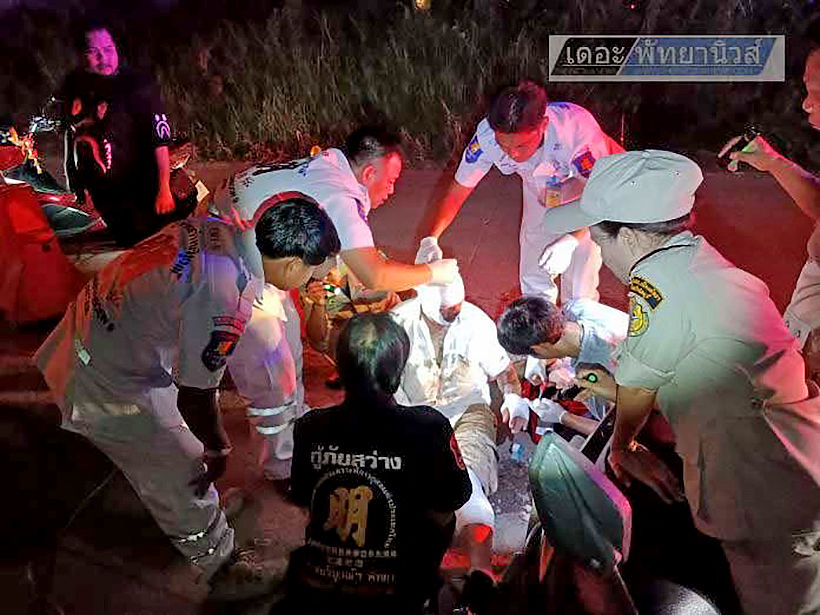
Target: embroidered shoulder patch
218, 350
638, 318
584, 163
646, 291
473, 151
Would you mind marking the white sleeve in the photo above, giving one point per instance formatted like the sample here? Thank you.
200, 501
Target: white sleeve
212, 321
588, 142
493, 359
477, 158
347, 215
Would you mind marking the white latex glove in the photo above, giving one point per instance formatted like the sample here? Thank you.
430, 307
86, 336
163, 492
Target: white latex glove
562, 377
556, 256
429, 250
535, 371
547, 410
443, 271
515, 411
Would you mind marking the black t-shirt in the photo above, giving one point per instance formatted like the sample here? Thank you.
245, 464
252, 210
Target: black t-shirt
369, 472
121, 121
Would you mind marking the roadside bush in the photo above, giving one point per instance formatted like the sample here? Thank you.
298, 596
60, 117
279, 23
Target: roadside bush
275, 86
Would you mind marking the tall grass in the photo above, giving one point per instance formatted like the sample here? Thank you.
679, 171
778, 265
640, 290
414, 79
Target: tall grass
277, 86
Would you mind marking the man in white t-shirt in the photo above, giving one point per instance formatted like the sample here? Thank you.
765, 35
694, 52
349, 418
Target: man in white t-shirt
553, 148
346, 185
135, 363
454, 353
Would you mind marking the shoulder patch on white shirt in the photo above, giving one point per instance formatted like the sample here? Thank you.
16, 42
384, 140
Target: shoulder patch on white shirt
583, 163
473, 151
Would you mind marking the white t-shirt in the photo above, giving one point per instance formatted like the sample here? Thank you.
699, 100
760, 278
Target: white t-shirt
603, 327
326, 178
471, 356
170, 309
558, 170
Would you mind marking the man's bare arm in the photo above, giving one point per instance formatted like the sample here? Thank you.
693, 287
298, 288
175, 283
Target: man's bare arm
508, 381
633, 407
801, 186
379, 273
581, 424
448, 207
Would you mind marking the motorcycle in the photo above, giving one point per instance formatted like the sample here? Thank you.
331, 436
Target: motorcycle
584, 556
20, 163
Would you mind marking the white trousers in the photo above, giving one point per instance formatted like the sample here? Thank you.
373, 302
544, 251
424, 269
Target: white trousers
150, 443
266, 367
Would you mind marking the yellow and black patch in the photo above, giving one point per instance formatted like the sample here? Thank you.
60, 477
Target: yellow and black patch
646, 291
638, 318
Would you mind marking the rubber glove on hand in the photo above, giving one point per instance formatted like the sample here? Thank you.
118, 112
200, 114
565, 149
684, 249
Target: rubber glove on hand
547, 410
429, 250
515, 411
443, 271
562, 377
534, 371
556, 257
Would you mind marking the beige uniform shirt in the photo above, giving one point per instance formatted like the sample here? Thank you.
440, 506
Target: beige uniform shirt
706, 336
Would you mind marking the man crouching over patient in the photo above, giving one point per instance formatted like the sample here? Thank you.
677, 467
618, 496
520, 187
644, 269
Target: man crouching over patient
454, 353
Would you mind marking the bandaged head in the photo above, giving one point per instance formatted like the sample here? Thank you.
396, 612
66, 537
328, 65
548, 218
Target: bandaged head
436, 298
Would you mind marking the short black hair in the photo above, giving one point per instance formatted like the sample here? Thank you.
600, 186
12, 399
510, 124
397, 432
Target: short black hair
528, 321
297, 227
81, 29
519, 108
368, 143
371, 354
668, 227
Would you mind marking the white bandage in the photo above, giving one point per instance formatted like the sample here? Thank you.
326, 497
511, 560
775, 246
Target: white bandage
534, 371
476, 510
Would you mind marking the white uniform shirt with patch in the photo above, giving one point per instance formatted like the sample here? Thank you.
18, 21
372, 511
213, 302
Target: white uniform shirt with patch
171, 309
326, 178
708, 338
471, 356
555, 173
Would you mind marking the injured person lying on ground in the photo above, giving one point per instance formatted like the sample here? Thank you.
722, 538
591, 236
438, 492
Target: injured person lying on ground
454, 353
581, 333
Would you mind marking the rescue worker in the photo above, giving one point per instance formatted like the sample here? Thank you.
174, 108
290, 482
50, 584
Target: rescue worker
581, 333
454, 353
380, 482
707, 345
135, 363
346, 185
802, 315
552, 147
